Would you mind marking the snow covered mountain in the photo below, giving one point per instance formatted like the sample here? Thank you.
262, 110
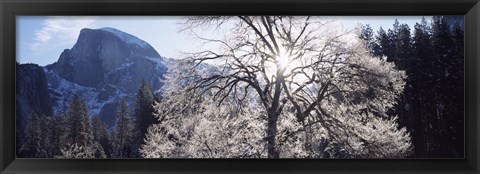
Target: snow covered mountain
104, 66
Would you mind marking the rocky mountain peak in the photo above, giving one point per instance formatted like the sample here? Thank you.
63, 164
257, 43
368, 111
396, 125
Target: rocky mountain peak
99, 51
104, 66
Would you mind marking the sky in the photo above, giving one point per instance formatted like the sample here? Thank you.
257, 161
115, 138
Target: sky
41, 39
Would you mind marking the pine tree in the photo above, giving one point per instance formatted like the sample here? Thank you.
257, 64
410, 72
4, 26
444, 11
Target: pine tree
80, 138
122, 135
442, 44
450, 89
57, 134
32, 146
44, 143
403, 47
432, 104
368, 37
421, 83
101, 135
386, 44
144, 114
393, 38
403, 59
78, 123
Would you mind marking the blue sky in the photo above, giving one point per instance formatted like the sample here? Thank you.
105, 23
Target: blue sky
41, 39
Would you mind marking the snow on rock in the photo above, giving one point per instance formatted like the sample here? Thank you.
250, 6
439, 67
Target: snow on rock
125, 37
62, 91
104, 66
158, 61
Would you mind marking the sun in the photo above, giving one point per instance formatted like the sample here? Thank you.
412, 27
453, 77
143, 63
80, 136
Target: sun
282, 61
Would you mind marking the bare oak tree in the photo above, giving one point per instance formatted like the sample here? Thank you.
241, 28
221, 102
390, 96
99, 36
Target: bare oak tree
300, 66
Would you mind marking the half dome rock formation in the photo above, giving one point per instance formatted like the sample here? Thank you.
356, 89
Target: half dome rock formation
104, 66
100, 52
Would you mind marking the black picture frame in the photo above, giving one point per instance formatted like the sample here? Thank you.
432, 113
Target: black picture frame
11, 8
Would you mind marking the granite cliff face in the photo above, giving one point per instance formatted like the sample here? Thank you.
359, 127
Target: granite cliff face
32, 94
100, 52
104, 66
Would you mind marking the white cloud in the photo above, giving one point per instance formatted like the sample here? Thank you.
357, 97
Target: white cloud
60, 31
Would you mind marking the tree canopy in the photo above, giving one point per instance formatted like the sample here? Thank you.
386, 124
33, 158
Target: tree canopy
317, 91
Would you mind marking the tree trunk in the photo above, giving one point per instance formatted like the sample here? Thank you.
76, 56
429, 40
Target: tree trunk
308, 140
271, 134
273, 114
